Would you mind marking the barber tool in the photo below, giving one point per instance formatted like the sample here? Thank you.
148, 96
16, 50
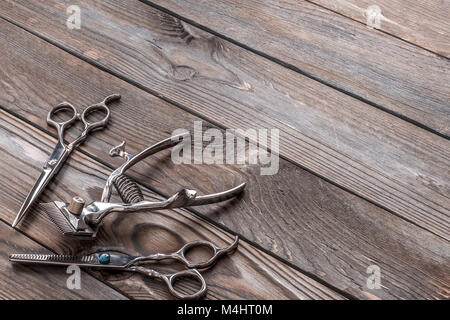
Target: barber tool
62, 151
118, 261
76, 219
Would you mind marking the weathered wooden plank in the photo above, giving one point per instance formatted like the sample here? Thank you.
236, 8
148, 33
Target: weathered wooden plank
425, 23
31, 282
374, 154
248, 273
386, 71
313, 224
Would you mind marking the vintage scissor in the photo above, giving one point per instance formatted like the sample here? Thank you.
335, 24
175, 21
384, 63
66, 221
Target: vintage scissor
118, 261
76, 219
62, 150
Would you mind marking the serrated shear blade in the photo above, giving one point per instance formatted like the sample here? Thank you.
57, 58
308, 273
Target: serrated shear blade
53, 259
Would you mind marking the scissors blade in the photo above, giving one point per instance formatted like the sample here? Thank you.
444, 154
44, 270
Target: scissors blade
96, 260
51, 167
53, 259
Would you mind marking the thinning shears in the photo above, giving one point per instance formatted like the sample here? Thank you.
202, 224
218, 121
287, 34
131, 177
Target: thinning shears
62, 151
117, 261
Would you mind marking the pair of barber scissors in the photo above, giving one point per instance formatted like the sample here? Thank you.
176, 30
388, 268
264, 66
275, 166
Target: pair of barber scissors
117, 261
62, 150
76, 219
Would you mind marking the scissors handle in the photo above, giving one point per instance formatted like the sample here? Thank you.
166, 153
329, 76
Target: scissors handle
180, 255
216, 252
88, 126
63, 125
170, 280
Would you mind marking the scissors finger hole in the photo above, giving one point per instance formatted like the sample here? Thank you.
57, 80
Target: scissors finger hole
199, 253
187, 284
95, 114
63, 113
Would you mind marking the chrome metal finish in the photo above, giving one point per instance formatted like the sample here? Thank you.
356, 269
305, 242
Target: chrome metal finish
97, 211
53, 259
111, 260
87, 223
170, 280
180, 255
128, 190
62, 151
67, 223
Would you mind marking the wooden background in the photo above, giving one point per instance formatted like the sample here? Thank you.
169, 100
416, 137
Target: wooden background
363, 116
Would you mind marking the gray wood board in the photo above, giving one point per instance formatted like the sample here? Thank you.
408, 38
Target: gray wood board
247, 274
375, 155
424, 23
294, 214
383, 70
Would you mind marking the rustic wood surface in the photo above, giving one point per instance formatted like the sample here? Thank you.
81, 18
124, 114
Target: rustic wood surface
309, 234
247, 274
378, 156
32, 282
288, 201
425, 23
337, 50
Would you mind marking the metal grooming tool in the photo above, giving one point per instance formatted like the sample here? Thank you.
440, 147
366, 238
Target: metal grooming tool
62, 151
86, 224
110, 260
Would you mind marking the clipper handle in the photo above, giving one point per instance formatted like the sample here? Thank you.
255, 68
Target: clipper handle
128, 190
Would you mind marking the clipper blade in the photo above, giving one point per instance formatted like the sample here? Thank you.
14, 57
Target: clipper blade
58, 217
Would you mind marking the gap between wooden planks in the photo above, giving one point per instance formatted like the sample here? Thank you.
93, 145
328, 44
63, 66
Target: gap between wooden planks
382, 70
371, 153
37, 283
247, 274
425, 23
294, 214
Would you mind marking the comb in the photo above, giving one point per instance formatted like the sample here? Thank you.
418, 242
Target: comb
52, 258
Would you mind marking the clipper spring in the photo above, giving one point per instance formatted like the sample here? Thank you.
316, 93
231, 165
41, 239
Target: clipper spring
128, 190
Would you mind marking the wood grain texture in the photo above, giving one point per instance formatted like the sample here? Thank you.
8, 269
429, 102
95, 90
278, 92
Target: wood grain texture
370, 152
425, 23
247, 274
294, 214
386, 71
32, 282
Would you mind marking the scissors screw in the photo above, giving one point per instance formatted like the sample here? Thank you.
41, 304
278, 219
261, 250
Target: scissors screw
76, 205
104, 258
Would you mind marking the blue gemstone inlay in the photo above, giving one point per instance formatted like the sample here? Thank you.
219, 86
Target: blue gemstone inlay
104, 258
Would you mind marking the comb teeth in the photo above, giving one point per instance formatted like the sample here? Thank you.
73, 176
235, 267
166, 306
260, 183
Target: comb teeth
52, 258
57, 217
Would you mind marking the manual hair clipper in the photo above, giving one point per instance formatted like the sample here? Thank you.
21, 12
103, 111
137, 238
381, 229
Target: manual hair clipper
76, 219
